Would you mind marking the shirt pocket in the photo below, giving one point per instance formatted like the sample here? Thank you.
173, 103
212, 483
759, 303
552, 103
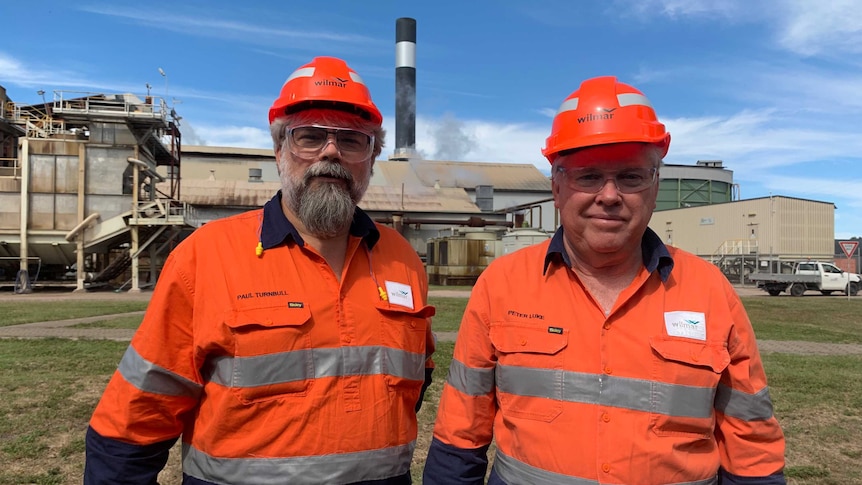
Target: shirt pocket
685, 375
529, 374
273, 356
403, 331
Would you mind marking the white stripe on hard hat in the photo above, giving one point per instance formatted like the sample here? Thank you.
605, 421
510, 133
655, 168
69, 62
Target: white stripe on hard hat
625, 99
629, 99
309, 72
568, 105
301, 72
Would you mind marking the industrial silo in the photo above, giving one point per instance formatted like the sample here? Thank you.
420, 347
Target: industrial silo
706, 183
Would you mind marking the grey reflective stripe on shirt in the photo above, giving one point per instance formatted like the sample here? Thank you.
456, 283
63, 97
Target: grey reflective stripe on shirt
301, 470
636, 394
469, 380
297, 365
748, 407
511, 470
149, 377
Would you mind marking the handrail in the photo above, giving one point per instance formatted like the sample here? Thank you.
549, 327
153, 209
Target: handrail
81, 225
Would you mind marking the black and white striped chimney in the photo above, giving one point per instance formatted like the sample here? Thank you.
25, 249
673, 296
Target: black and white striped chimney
405, 88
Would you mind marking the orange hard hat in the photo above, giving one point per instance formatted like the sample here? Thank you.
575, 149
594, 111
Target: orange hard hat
325, 82
601, 111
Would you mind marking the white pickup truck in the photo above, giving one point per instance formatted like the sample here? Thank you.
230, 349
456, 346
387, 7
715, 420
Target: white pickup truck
809, 275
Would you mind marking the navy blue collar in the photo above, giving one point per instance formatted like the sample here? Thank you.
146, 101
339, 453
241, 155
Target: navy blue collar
655, 253
275, 229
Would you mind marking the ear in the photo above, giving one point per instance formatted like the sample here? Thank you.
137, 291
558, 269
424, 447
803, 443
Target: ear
654, 196
555, 191
278, 159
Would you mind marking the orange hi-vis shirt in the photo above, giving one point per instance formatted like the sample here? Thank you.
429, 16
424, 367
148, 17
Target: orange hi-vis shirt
668, 388
271, 368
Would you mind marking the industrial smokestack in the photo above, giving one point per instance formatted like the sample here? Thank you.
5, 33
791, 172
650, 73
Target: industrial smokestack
405, 88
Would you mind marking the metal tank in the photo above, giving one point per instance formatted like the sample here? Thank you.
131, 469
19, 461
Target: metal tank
520, 238
705, 183
460, 257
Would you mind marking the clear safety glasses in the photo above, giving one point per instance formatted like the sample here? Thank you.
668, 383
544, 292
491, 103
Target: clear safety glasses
592, 181
306, 142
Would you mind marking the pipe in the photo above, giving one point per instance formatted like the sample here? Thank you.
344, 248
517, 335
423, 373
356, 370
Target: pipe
81, 225
145, 168
24, 163
405, 87
471, 221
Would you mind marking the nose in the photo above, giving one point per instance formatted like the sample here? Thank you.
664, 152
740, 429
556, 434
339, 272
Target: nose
612, 193
330, 148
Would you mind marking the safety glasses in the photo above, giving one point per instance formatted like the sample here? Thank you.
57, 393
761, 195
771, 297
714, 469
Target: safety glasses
592, 181
308, 141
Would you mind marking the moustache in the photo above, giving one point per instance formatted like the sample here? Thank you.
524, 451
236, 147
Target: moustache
328, 169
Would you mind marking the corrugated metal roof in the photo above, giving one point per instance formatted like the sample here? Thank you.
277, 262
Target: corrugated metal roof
467, 175
238, 193
418, 199
414, 173
225, 151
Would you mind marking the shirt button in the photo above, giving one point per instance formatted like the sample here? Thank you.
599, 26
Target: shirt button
606, 417
606, 326
348, 339
412, 324
523, 341
606, 467
694, 357
608, 370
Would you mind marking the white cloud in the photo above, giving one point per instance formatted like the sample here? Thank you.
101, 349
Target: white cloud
211, 27
15, 72
492, 141
813, 27
233, 136
805, 27
687, 8
298, 35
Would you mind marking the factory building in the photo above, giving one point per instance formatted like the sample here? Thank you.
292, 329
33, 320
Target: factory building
96, 189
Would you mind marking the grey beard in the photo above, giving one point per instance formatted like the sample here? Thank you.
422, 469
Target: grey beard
326, 210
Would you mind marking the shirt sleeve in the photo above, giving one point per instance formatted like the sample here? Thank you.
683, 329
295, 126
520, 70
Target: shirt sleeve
112, 462
751, 443
140, 414
465, 416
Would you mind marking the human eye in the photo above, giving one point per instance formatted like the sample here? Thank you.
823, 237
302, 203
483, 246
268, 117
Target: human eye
633, 178
309, 137
586, 178
352, 141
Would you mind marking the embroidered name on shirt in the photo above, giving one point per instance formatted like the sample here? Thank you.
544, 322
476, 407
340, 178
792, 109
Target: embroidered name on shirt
555, 330
537, 316
295, 304
260, 294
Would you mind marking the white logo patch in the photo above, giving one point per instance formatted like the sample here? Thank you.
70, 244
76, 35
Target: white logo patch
400, 294
685, 324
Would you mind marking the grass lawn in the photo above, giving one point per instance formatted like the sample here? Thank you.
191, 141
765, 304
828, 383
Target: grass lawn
827, 319
51, 386
16, 312
450, 288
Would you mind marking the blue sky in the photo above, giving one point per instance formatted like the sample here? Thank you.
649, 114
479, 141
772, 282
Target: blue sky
773, 87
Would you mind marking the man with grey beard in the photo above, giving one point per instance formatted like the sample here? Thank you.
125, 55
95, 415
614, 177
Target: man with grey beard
303, 361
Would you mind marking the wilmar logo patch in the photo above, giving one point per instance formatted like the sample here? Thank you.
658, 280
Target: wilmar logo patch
686, 324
